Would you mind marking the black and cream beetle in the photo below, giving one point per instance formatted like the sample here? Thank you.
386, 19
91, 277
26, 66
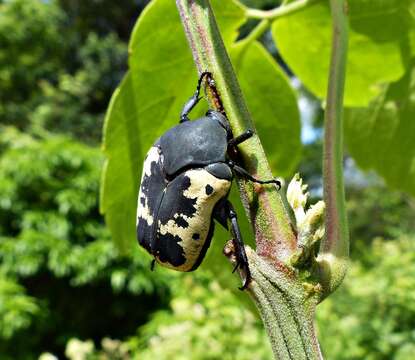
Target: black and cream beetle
185, 183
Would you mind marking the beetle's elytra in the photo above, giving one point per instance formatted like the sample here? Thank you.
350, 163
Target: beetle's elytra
185, 183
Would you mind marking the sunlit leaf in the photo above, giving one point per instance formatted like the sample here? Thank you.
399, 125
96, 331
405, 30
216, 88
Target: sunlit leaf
121, 170
143, 107
381, 137
272, 103
377, 30
230, 16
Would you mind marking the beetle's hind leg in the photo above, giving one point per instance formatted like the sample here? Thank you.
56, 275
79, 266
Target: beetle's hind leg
223, 212
192, 102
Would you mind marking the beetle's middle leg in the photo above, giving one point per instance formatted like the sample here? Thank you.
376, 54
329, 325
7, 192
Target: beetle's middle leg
240, 138
192, 102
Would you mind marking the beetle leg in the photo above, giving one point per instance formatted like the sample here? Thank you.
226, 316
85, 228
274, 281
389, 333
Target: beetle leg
241, 171
241, 258
222, 213
153, 262
245, 174
241, 138
192, 102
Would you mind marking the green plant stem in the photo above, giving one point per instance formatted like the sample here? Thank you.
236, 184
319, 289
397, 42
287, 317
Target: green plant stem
280, 11
273, 233
255, 34
286, 306
334, 249
287, 309
257, 31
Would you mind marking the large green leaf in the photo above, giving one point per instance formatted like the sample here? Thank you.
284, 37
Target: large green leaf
123, 153
273, 105
229, 15
162, 76
378, 28
143, 107
381, 137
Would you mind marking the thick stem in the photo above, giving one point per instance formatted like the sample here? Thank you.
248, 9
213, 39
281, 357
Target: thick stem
334, 249
274, 236
286, 306
287, 310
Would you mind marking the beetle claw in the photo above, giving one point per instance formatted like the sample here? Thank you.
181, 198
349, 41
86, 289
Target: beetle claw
242, 263
247, 279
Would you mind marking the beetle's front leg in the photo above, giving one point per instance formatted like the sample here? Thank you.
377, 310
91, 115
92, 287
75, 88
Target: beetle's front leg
192, 102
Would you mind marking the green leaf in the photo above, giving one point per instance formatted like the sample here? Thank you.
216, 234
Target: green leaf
121, 170
381, 136
229, 15
273, 105
377, 31
145, 105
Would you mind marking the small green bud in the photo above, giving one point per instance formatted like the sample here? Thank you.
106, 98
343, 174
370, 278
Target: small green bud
297, 197
311, 229
309, 223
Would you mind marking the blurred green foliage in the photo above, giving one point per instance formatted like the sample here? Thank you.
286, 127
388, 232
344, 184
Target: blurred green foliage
74, 102
372, 315
51, 74
54, 242
376, 212
205, 322
29, 52
16, 308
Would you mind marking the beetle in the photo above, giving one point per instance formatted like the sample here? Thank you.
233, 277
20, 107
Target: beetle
185, 183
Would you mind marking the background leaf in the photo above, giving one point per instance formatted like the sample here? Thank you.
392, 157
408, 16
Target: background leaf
381, 136
377, 31
142, 108
119, 178
273, 105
